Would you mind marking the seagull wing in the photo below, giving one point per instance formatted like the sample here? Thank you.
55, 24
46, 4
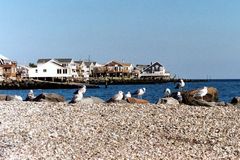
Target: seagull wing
177, 86
136, 92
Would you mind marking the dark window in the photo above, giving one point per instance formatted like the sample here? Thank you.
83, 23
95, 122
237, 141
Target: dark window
59, 71
64, 71
44, 70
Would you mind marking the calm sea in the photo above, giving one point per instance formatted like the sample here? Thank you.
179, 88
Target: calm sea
227, 90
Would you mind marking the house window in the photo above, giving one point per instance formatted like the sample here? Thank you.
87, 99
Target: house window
44, 70
36, 70
59, 71
64, 71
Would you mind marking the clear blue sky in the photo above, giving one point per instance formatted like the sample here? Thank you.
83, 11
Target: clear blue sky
192, 38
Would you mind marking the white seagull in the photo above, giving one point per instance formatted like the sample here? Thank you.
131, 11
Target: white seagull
118, 96
179, 97
201, 92
167, 92
180, 84
82, 89
18, 98
30, 95
77, 97
128, 95
140, 92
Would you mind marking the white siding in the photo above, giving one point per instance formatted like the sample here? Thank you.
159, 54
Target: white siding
51, 70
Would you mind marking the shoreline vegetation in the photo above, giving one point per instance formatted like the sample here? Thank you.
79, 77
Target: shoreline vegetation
93, 83
42, 130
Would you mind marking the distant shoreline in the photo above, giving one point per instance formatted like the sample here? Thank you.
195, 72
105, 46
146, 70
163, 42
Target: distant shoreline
37, 84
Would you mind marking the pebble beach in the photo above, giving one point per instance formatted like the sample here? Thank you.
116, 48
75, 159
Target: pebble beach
46, 130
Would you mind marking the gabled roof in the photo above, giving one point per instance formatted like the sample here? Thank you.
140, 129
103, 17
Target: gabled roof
43, 60
142, 66
63, 60
87, 63
54, 62
119, 63
78, 62
153, 65
3, 57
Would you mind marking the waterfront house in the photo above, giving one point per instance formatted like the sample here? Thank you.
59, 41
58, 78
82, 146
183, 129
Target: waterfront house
154, 70
64, 68
8, 68
114, 69
85, 69
22, 71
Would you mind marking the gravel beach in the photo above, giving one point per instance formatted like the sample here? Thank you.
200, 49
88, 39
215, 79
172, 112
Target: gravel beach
41, 130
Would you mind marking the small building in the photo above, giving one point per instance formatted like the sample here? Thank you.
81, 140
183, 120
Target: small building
64, 68
22, 71
85, 69
154, 70
114, 69
8, 68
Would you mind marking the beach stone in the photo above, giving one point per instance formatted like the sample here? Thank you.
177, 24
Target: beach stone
235, 101
212, 96
49, 97
113, 101
137, 101
199, 102
13, 98
91, 100
221, 103
168, 101
229, 104
3, 97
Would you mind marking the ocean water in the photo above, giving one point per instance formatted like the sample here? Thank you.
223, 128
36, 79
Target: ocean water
227, 90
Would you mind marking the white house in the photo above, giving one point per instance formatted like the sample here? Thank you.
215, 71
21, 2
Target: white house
85, 69
155, 70
53, 68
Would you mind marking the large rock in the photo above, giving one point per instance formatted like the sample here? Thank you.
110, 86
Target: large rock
168, 101
235, 101
91, 100
200, 102
212, 96
3, 97
137, 101
13, 98
49, 97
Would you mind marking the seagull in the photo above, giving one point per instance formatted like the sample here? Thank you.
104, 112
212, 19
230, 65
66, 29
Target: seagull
18, 98
140, 92
116, 97
180, 84
179, 97
167, 92
82, 89
30, 96
201, 92
77, 97
128, 95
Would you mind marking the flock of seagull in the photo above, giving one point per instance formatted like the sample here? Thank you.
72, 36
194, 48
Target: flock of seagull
78, 94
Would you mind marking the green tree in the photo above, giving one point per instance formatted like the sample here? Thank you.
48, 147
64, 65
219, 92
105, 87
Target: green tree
32, 65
